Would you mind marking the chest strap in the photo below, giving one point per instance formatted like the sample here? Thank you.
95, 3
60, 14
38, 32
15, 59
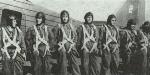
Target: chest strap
39, 40
87, 38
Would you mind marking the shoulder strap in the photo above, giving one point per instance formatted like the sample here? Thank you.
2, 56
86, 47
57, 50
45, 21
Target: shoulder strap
46, 29
94, 26
144, 36
5, 35
85, 31
36, 31
15, 36
94, 29
107, 30
72, 28
59, 25
18, 29
128, 35
46, 32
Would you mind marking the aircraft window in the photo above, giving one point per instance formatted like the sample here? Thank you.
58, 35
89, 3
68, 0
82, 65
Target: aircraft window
5, 15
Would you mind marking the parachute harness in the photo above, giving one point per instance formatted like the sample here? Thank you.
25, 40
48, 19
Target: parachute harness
10, 42
39, 40
66, 39
110, 38
130, 42
89, 38
144, 41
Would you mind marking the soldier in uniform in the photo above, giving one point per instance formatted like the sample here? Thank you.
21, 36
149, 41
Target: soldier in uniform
66, 44
109, 42
146, 30
39, 40
133, 50
12, 47
87, 45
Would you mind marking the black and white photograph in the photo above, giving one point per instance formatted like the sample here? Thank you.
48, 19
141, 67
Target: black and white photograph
74, 37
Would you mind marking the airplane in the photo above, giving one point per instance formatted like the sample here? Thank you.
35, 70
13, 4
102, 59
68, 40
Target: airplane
27, 11
131, 9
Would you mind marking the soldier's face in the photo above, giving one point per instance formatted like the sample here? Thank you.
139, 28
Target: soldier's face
132, 27
89, 19
13, 21
147, 26
39, 21
113, 21
65, 18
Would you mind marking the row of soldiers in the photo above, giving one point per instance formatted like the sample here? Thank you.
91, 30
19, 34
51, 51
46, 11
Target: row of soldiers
99, 50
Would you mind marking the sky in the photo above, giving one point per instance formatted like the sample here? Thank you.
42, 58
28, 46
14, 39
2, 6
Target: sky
77, 8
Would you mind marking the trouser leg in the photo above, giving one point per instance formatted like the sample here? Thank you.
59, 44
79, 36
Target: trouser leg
74, 63
126, 64
47, 65
18, 64
106, 59
148, 65
85, 62
114, 63
141, 59
62, 62
13, 66
37, 65
94, 63
6, 67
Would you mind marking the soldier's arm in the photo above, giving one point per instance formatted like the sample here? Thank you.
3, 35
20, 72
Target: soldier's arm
141, 40
121, 34
79, 32
96, 34
123, 39
118, 37
74, 34
123, 42
1, 38
101, 37
51, 39
22, 44
1, 43
29, 40
57, 36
